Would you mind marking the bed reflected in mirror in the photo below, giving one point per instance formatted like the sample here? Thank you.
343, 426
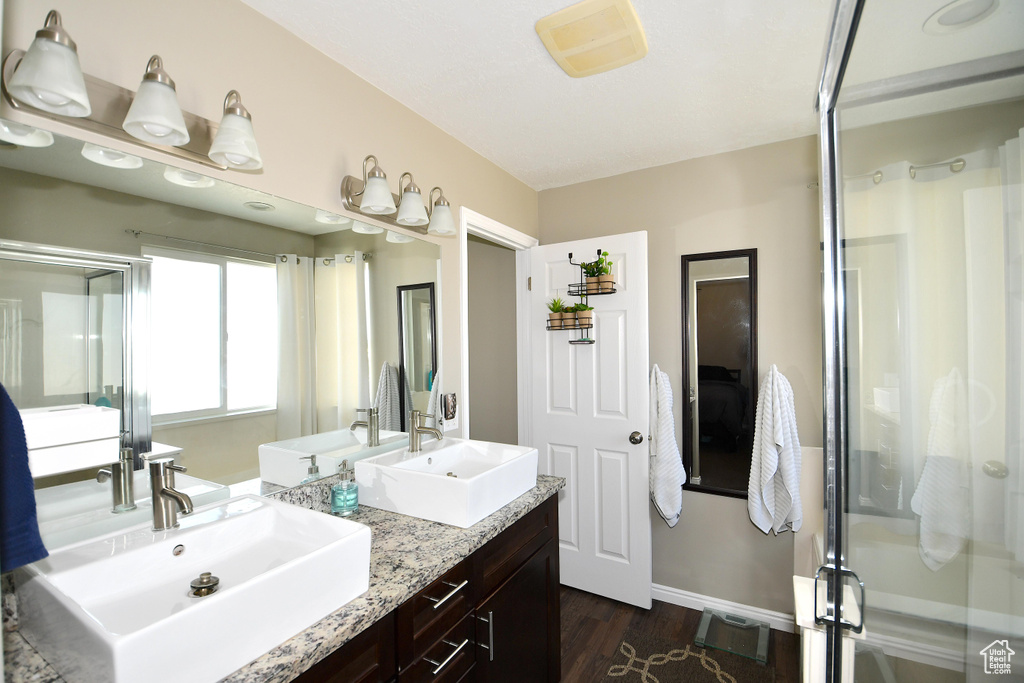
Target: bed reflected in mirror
719, 298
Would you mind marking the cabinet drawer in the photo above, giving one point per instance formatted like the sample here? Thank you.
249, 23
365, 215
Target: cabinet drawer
449, 660
367, 658
500, 557
432, 612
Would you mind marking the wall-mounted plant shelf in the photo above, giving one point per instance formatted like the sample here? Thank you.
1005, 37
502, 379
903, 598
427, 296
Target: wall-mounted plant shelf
586, 289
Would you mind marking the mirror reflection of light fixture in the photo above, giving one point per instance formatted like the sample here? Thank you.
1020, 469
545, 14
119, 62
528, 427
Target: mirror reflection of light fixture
235, 143
105, 156
24, 136
365, 228
441, 221
49, 76
331, 218
180, 176
398, 238
155, 115
411, 211
372, 196
377, 199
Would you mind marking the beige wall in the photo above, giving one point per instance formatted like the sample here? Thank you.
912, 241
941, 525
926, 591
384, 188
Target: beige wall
491, 272
756, 197
314, 119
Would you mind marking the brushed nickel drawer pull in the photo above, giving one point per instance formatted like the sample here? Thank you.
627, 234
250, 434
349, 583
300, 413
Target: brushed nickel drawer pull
490, 636
458, 649
455, 589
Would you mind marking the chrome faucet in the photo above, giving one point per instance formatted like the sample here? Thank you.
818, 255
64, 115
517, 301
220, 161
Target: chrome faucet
416, 429
121, 474
166, 500
372, 424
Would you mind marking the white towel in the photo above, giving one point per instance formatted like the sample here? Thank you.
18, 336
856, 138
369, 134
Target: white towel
773, 491
434, 406
389, 412
942, 495
666, 469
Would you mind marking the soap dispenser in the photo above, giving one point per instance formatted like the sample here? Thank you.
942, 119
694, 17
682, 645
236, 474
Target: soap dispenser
345, 494
313, 473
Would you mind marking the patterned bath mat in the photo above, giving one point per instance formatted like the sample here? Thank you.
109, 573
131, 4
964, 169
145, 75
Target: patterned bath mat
642, 658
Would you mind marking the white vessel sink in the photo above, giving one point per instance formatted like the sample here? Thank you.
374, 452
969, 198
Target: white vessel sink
70, 513
281, 463
452, 481
118, 608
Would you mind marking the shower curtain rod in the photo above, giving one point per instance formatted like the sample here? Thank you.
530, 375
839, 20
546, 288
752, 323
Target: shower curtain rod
955, 166
138, 233
349, 258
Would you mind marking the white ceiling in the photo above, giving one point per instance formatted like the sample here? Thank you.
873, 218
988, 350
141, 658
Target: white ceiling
719, 76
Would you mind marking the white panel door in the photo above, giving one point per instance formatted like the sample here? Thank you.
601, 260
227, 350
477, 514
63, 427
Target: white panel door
586, 401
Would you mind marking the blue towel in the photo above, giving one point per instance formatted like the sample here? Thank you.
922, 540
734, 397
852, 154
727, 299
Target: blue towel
20, 543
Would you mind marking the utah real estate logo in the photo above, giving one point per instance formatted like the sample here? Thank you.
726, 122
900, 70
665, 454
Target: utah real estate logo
997, 657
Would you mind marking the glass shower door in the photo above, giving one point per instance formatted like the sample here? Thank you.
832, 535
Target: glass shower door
929, 279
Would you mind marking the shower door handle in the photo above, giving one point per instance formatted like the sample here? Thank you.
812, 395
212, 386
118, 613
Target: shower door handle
830, 607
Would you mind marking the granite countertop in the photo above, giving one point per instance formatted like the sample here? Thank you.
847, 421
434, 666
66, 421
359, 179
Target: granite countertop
406, 555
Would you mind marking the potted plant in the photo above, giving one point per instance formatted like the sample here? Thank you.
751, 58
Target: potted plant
599, 274
605, 277
584, 315
555, 307
592, 271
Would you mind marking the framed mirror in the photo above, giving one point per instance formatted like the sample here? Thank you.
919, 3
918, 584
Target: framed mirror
719, 311
417, 349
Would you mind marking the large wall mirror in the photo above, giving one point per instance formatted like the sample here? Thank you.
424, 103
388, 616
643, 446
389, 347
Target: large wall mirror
719, 299
231, 366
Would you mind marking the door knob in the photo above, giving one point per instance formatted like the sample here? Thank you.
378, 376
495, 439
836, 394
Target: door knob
635, 438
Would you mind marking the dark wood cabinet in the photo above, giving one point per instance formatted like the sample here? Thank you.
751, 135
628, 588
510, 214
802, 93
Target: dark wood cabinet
492, 618
516, 627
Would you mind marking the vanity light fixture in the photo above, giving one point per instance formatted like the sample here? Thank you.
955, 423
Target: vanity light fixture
365, 228
49, 76
180, 176
377, 199
24, 136
373, 197
104, 156
331, 218
155, 115
411, 211
441, 221
398, 238
235, 143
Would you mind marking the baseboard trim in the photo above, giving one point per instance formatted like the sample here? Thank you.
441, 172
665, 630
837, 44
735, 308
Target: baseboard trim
922, 653
779, 621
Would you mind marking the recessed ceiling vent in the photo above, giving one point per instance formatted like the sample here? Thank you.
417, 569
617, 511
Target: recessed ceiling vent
593, 36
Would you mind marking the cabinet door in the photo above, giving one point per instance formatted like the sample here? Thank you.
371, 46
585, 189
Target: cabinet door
367, 658
517, 627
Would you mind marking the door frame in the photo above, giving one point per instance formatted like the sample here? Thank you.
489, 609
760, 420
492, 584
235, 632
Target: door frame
474, 223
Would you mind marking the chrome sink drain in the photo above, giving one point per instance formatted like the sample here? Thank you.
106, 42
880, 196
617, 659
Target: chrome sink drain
206, 584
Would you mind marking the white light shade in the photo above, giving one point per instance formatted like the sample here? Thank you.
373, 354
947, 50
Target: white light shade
110, 157
441, 222
397, 237
235, 144
364, 229
50, 78
155, 116
411, 211
185, 178
331, 218
24, 136
377, 199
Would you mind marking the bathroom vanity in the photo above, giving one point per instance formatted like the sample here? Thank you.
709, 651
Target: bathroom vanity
444, 603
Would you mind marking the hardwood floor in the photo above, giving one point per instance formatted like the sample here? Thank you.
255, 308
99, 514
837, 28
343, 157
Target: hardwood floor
592, 628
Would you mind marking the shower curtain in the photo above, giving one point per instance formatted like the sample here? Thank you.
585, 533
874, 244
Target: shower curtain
296, 387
